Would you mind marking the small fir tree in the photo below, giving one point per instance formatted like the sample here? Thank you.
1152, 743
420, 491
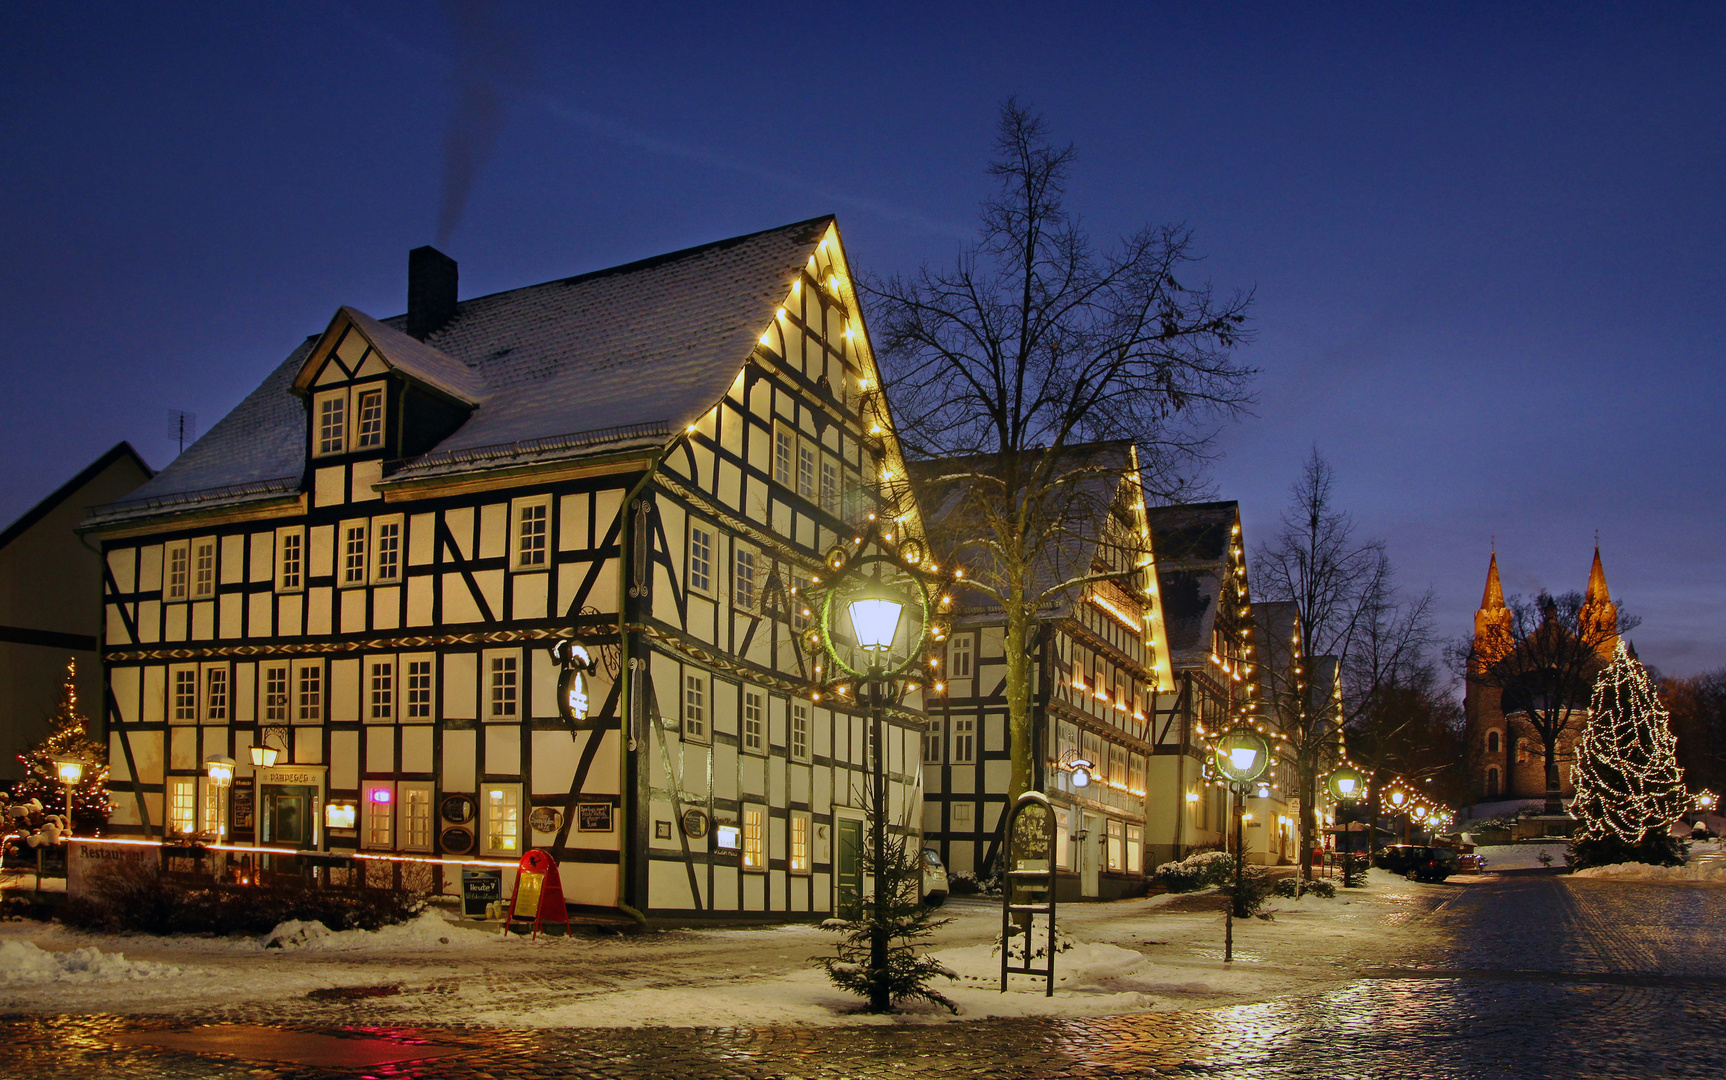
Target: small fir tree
68, 736
1629, 787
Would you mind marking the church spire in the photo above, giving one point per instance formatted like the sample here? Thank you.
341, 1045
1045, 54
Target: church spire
1494, 598
1596, 582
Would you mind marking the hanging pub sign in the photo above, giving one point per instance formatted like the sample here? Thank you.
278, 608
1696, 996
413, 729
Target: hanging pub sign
572, 681
536, 904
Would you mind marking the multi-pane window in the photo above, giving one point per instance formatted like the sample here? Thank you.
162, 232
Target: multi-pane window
381, 692
204, 568
380, 816
806, 475
959, 657
964, 740
1117, 855
502, 819
799, 860
216, 695
290, 559
801, 612
503, 688
371, 415
186, 696
932, 740
416, 818
182, 805
532, 524
799, 731
1136, 773
743, 578
176, 573
1135, 849
354, 554
753, 723
784, 452
754, 838
387, 542
214, 820
419, 689
310, 707
276, 695
694, 707
830, 486
700, 559
332, 424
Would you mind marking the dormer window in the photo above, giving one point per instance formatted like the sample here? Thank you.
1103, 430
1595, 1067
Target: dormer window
332, 422
371, 419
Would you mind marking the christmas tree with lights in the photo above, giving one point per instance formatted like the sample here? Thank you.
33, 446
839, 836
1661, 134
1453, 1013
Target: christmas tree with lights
68, 737
1629, 787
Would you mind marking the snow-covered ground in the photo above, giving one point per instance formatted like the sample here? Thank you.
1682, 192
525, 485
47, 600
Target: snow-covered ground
1129, 956
1689, 872
1524, 856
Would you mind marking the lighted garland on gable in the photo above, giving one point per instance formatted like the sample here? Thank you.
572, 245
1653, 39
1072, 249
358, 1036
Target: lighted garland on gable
1628, 783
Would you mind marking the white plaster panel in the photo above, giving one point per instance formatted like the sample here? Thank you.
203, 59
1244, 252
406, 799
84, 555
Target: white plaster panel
417, 748
555, 756
458, 760
503, 750
380, 749
460, 685
422, 535
344, 759
183, 748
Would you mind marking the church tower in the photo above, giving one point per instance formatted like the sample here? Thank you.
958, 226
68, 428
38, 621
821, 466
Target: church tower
1481, 705
1599, 614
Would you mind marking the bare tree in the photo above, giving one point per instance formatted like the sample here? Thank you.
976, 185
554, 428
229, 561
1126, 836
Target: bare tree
1698, 708
1349, 610
1032, 344
1542, 657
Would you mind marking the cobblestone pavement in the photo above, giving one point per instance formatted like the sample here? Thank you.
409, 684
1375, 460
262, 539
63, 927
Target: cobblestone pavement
1535, 976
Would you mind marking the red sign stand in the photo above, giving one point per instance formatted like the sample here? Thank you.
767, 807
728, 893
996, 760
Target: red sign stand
536, 903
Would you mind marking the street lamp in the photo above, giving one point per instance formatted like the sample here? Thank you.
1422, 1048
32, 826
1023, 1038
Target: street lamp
71, 771
1241, 756
263, 754
221, 773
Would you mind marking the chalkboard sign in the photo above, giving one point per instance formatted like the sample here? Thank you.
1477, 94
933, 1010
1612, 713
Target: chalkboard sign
479, 888
245, 799
593, 817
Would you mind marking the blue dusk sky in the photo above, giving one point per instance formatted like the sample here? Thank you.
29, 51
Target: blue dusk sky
1485, 240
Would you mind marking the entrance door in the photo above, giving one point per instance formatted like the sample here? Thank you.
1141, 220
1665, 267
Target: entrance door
848, 869
1090, 851
288, 816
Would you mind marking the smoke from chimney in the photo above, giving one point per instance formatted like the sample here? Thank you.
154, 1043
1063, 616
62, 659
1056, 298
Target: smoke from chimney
487, 60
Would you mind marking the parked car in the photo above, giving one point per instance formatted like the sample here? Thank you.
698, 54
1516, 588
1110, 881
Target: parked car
1418, 863
934, 878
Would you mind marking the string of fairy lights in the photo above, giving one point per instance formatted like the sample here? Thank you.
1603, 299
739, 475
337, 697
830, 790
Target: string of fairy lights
1627, 778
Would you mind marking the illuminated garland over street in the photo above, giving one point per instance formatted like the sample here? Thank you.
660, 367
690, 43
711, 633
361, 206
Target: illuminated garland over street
1628, 783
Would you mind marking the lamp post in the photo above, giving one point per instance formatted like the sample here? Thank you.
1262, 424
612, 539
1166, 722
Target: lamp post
1241, 755
877, 616
220, 770
1347, 784
71, 772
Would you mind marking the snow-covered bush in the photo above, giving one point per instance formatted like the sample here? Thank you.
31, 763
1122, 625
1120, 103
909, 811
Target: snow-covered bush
1199, 871
1287, 888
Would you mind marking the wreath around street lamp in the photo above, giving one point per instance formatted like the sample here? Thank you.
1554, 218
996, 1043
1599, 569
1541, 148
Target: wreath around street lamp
1347, 783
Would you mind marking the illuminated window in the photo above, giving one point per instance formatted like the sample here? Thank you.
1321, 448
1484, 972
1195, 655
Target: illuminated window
799, 856
959, 657
416, 817
388, 537
382, 690
276, 695
1135, 849
380, 815
1116, 846
216, 695
332, 424
695, 706
175, 571
502, 819
700, 559
743, 578
799, 731
204, 568
419, 689
964, 740
371, 415
186, 696
182, 805
532, 532
752, 723
754, 838
354, 554
503, 687
215, 821
290, 559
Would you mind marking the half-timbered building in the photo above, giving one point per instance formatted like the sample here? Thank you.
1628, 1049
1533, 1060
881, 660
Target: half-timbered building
1098, 665
523, 570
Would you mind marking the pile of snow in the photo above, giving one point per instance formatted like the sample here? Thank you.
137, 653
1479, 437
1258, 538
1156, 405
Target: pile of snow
1523, 856
27, 962
1630, 871
430, 930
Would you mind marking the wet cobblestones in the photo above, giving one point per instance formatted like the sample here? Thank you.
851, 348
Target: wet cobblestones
1538, 977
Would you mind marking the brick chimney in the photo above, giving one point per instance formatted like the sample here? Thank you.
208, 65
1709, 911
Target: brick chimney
431, 291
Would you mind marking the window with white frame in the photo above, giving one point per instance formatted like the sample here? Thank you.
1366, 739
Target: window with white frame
216, 695
755, 838
1117, 855
808, 475
933, 736
754, 723
186, 695
959, 657
353, 553
962, 817
801, 612
182, 805
798, 860
176, 571
784, 454
215, 822
332, 418
309, 692
290, 559
1135, 849
799, 731
695, 706
700, 559
369, 411
743, 577
531, 538
275, 685
203, 568
1063, 842
386, 550
829, 486
419, 679
415, 821
964, 740
502, 819
502, 686
380, 689
380, 812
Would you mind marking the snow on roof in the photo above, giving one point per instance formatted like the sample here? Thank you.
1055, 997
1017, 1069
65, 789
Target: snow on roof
418, 360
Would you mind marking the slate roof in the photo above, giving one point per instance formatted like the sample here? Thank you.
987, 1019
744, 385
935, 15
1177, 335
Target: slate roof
1191, 545
619, 357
